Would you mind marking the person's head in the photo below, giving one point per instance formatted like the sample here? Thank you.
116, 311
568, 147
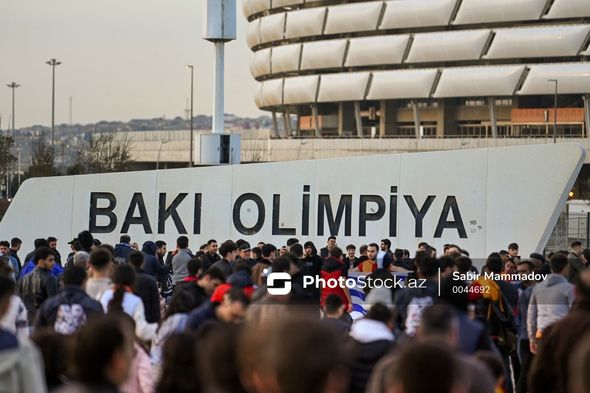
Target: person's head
379, 312
439, 322
269, 251
203, 248
125, 239
52, 242
363, 249
537, 259
229, 250
510, 266
579, 364
75, 276
425, 367
194, 267
406, 253
463, 265
513, 249
309, 249
56, 352
180, 369
296, 250
212, 246
292, 241
426, 266
493, 363
211, 280
422, 246
233, 307
350, 250
86, 240
452, 292
16, 243
182, 242
182, 302
585, 255
398, 254
44, 258
103, 352
559, 264
333, 306
524, 266
4, 246
136, 260
372, 251
256, 253
331, 242
385, 244
452, 250
336, 252
123, 280
576, 247
283, 251
81, 258
160, 248
446, 264
100, 260
494, 263
245, 251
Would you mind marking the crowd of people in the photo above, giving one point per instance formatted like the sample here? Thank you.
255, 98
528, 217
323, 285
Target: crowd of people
163, 319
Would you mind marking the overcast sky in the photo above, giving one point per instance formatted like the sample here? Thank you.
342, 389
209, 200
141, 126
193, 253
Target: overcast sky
122, 59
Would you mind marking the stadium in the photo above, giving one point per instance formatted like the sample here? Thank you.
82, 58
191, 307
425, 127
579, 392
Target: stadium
423, 68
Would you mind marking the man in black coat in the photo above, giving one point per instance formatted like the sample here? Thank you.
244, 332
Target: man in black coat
146, 288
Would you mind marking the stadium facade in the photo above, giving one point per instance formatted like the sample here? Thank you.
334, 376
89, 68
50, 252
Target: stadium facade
422, 68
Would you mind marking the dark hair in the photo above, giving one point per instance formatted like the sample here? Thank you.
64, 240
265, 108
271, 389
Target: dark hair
124, 276
297, 250
135, 259
193, 266
7, 287
180, 371
100, 258
236, 294
4, 243
15, 242
351, 247
227, 247
309, 244
503, 252
379, 312
182, 242
42, 253
96, 343
125, 239
453, 292
268, 249
51, 239
422, 244
56, 351
331, 237
374, 245
406, 252
332, 303
183, 301
438, 320
210, 241
398, 253
41, 243
387, 242
86, 240
256, 251
576, 243
160, 243
215, 273
281, 264
543, 269
363, 248
76, 246
292, 241
494, 263
558, 262
6, 268
526, 262
513, 246
74, 275
336, 252
427, 265
463, 264
446, 262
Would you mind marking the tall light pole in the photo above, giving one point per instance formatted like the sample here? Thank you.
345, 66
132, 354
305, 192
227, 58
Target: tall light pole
53, 63
162, 143
554, 111
13, 86
191, 68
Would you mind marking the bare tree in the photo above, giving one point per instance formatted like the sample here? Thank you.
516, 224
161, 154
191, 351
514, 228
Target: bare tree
42, 158
104, 152
7, 157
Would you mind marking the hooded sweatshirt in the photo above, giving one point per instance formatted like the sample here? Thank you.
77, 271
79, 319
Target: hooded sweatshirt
550, 301
151, 264
20, 366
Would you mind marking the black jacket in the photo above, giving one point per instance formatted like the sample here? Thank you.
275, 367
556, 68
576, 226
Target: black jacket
147, 289
34, 289
151, 264
208, 259
365, 357
70, 295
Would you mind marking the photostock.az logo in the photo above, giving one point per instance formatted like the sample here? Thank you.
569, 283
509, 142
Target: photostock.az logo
283, 280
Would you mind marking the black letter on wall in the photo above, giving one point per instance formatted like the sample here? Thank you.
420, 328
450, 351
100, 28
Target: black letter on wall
365, 216
450, 204
419, 214
102, 211
170, 211
344, 208
143, 219
238, 220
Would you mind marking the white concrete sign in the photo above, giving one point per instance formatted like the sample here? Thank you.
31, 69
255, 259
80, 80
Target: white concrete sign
480, 199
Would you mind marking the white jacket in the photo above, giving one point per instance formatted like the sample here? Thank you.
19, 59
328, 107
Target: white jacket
133, 306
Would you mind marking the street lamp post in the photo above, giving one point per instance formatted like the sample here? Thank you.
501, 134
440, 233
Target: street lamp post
13, 86
191, 68
554, 111
53, 63
162, 143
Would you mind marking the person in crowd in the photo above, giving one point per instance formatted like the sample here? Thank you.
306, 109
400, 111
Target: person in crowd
52, 243
311, 261
101, 264
141, 377
121, 299
268, 255
334, 310
513, 250
229, 253
179, 355
245, 254
332, 269
21, 369
180, 259
40, 285
510, 266
550, 300
385, 255
579, 364
145, 287
330, 244
122, 250
537, 259
102, 356
14, 264
231, 309
14, 319
200, 285
80, 258
68, 311
372, 340
576, 262
56, 351
493, 363
350, 261
210, 256
30, 265
369, 265
151, 265
15, 245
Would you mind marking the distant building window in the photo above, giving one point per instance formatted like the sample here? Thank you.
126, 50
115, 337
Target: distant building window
504, 102
474, 102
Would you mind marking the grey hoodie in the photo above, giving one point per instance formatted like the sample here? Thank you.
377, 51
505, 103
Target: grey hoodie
550, 301
21, 369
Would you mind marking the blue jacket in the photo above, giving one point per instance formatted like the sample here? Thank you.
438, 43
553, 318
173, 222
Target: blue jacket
200, 315
56, 270
121, 252
151, 264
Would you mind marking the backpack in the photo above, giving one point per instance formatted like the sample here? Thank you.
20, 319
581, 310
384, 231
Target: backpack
499, 316
70, 318
415, 309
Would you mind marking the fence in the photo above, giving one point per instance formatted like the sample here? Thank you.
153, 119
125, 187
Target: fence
569, 227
